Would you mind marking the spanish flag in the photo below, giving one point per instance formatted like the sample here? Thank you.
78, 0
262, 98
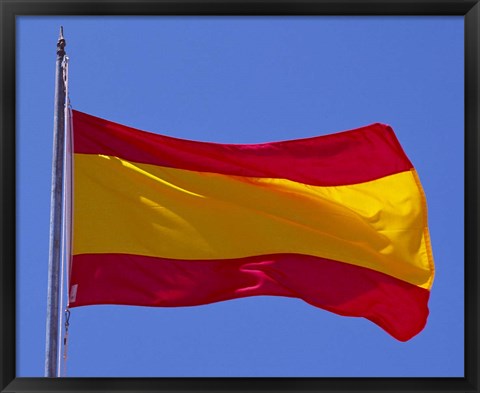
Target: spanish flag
339, 221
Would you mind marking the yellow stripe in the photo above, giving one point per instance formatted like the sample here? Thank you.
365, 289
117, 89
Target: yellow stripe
125, 207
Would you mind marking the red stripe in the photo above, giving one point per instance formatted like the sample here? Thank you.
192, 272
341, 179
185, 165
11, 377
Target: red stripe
398, 307
347, 157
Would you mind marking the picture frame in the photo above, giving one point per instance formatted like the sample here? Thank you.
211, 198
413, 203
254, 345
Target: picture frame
471, 12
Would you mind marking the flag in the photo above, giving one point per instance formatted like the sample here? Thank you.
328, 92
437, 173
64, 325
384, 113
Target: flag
339, 221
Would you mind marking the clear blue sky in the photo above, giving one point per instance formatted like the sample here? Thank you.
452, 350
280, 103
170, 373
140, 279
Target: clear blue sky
246, 80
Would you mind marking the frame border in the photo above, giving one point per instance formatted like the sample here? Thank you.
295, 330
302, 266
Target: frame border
9, 9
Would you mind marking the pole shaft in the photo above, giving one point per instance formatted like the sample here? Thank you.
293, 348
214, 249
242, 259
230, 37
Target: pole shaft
55, 257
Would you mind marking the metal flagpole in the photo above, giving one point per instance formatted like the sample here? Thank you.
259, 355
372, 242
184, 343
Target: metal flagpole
56, 217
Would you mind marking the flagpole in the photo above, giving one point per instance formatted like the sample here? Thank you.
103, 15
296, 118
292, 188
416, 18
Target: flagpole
53, 297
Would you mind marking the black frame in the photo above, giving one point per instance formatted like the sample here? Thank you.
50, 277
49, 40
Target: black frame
9, 9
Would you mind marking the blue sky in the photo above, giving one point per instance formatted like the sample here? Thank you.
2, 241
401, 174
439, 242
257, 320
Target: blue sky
246, 80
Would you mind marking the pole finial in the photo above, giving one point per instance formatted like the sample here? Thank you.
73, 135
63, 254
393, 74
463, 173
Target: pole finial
61, 43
